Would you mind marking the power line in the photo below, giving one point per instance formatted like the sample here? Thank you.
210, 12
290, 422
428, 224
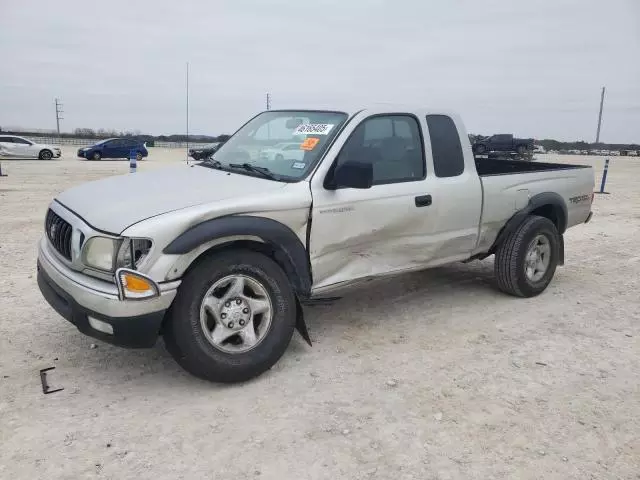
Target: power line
59, 113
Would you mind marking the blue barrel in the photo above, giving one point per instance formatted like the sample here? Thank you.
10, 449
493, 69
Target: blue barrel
604, 175
133, 161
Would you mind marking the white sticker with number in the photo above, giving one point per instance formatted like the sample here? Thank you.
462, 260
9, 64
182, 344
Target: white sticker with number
313, 129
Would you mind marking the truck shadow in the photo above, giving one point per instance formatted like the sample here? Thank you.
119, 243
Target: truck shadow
366, 310
379, 300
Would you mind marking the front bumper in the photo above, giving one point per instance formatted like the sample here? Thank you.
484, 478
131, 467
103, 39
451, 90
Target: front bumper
135, 323
57, 153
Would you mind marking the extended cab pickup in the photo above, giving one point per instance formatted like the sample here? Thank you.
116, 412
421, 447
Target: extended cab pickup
220, 256
503, 143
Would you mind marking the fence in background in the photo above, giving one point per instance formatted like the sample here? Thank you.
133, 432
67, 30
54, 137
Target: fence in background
85, 142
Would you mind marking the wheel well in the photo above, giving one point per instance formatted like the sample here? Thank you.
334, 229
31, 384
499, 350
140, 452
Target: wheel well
273, 252
46, 150
553, 213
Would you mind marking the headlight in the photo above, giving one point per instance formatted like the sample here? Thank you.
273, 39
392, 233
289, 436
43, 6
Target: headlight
109, 254
133, 252
99, 252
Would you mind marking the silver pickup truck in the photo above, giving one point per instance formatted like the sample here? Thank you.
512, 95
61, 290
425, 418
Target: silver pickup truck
219, 256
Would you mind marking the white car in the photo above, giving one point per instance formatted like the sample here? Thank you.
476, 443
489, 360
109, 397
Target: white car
283, 151
19, 147
539, 149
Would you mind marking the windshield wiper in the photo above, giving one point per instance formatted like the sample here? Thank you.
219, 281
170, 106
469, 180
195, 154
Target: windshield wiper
214, 163
264, 171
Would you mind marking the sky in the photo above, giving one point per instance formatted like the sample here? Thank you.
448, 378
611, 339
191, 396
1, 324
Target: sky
532, 68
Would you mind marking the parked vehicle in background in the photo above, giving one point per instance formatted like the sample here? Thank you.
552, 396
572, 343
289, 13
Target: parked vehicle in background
539, 149
219, 257
502, 143
633, 153
114, 148
283, 152
20, 147
201, 152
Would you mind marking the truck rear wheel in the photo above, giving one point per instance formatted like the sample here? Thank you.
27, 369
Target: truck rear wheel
233, 317
527, 259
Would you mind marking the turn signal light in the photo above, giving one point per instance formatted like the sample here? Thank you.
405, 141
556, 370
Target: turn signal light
135, 286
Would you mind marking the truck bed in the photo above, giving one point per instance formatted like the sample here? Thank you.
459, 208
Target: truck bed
488, 166
508, 186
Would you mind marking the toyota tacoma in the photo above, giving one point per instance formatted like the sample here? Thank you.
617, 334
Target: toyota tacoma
218, 257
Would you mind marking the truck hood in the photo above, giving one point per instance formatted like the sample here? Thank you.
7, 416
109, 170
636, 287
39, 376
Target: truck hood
115, 203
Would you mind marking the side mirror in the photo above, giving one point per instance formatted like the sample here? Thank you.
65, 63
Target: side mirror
353, 175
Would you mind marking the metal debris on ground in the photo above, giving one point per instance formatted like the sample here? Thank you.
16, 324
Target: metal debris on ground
46, 389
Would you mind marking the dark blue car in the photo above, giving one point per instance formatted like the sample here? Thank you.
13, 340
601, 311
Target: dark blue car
114, 148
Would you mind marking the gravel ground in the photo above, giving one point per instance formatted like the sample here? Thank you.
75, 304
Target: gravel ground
433, 375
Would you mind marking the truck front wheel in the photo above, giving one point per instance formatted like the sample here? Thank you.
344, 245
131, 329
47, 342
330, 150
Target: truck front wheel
233, 317
527, 259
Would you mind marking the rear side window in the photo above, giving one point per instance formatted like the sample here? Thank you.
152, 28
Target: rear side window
6, 139
448, 160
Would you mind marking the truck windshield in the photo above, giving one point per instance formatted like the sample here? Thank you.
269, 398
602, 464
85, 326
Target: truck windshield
286, 143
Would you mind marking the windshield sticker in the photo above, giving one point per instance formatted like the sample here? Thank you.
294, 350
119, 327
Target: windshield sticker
309, 143
313, 129
299, 165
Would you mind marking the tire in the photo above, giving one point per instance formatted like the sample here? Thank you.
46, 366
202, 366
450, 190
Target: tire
279, 157
480, 148
138, 156
96, 156
192, 346
521, 149
512, 274
45, 155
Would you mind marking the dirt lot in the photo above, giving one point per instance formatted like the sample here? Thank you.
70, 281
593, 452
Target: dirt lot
433, 375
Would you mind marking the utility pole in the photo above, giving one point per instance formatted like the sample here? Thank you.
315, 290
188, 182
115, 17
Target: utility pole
58, 115
187, 112
269, 108
600, 116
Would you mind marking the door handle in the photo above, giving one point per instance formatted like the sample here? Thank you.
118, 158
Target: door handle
423, 201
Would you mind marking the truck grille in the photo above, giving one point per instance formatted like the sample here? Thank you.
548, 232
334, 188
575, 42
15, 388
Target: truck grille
59, 233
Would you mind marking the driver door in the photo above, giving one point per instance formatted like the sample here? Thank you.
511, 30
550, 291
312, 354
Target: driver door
360, 233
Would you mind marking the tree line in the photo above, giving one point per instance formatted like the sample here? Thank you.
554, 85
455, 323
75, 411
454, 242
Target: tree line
550, 144
102, 133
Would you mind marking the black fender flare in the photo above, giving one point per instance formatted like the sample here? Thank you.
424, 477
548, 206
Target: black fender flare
537, 201
289, 250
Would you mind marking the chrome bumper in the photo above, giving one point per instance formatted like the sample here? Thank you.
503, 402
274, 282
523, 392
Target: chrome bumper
97, 295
